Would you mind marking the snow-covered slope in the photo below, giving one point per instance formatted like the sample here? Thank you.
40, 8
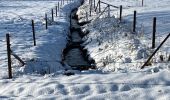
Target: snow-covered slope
114, 46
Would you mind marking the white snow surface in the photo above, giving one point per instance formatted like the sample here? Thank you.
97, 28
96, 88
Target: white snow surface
118, 53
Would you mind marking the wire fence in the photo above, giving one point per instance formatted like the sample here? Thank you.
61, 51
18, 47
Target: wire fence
26, 46
91, 83
21, 45
161, 57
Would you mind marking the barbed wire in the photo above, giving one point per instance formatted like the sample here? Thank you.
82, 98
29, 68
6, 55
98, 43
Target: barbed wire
45, 61
3, 36
3, 53
118, 83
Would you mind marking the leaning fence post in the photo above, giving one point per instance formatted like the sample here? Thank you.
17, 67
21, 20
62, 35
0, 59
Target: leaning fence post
52, 15
134, 22
33, 32
18, 58
154, 32
145, 64
120, 13
46, 22
9, 56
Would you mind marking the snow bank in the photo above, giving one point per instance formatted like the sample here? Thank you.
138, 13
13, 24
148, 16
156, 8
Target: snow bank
114, 46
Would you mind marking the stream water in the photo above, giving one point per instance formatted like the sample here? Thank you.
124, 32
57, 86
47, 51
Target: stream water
74, 56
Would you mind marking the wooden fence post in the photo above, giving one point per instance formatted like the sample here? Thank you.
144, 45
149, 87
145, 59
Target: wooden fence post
96, 6
61, 2
90, 7
94, 3
134, 22
58, 6
56, 10
46, 22
9, 56
99, 7
108, 10
154, 32
120, 13
87, 16
142, 3
33, 32
52, 15
70, 21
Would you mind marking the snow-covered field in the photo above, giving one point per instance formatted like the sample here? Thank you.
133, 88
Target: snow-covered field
118, 53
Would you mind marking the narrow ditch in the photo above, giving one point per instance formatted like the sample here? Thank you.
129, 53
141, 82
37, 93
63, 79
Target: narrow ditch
74, 54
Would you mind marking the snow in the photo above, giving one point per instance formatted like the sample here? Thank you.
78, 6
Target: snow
44, 58
88, 86
117, 47
117, 52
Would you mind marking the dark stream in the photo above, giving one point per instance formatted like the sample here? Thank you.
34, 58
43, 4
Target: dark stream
74, 54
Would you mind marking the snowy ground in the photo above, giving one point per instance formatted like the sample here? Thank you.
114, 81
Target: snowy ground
89, 86
118, 79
